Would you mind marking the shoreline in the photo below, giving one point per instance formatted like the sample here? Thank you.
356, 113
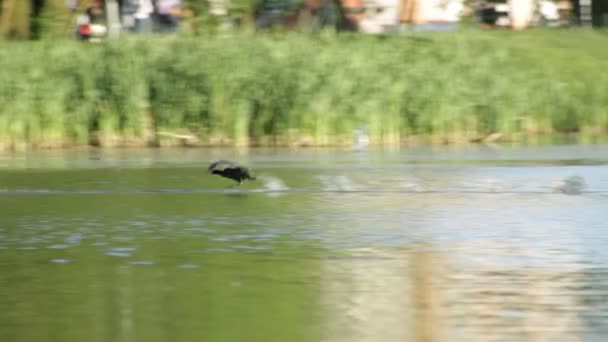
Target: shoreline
419, 141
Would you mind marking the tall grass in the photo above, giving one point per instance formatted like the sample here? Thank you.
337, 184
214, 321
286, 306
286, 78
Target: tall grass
301, 89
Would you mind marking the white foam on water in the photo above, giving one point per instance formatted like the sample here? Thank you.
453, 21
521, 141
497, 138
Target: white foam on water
273, 185
58, 246
142, 262
413, 187
337, 183
121, 252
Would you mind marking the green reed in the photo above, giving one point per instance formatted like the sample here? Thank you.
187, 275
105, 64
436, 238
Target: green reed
289, 88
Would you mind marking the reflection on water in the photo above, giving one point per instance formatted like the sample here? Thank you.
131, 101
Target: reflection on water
412, 245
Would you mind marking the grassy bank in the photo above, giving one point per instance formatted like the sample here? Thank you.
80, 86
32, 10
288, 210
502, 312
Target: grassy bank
298, 89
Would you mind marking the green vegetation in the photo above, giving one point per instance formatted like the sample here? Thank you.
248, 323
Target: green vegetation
289, 88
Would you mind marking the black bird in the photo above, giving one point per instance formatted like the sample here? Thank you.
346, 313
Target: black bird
230, 170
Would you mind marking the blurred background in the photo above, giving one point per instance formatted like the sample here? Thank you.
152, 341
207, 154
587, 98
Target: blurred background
427, 170
39, 18
299, 73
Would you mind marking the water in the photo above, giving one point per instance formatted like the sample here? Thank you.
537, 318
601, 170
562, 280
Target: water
421, 244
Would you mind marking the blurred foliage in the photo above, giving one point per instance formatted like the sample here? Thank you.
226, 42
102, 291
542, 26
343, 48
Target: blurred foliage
290, 88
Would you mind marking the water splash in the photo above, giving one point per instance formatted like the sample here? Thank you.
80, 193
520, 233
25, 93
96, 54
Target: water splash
571, 185
337, 183
273, 185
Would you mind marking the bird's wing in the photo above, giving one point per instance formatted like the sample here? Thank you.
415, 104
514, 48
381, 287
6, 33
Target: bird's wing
220, 164
212, 166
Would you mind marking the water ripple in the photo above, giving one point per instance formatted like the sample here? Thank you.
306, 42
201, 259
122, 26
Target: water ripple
142, 262
121, 252
405, 189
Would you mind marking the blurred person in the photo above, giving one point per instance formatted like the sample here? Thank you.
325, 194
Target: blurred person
126, 12
97, 12
169, 13
143, 16
549, 12
83, 24
267, 13
93, 24
72, 5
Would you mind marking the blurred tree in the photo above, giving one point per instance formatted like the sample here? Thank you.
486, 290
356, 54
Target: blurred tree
14, 20
35, 19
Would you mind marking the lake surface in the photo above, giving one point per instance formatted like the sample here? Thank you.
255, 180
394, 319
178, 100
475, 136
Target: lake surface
419, 244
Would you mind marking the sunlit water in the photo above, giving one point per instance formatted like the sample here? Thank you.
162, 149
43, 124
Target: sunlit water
421, 244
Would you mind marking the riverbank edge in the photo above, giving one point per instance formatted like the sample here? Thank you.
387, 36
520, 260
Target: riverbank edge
190, 141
